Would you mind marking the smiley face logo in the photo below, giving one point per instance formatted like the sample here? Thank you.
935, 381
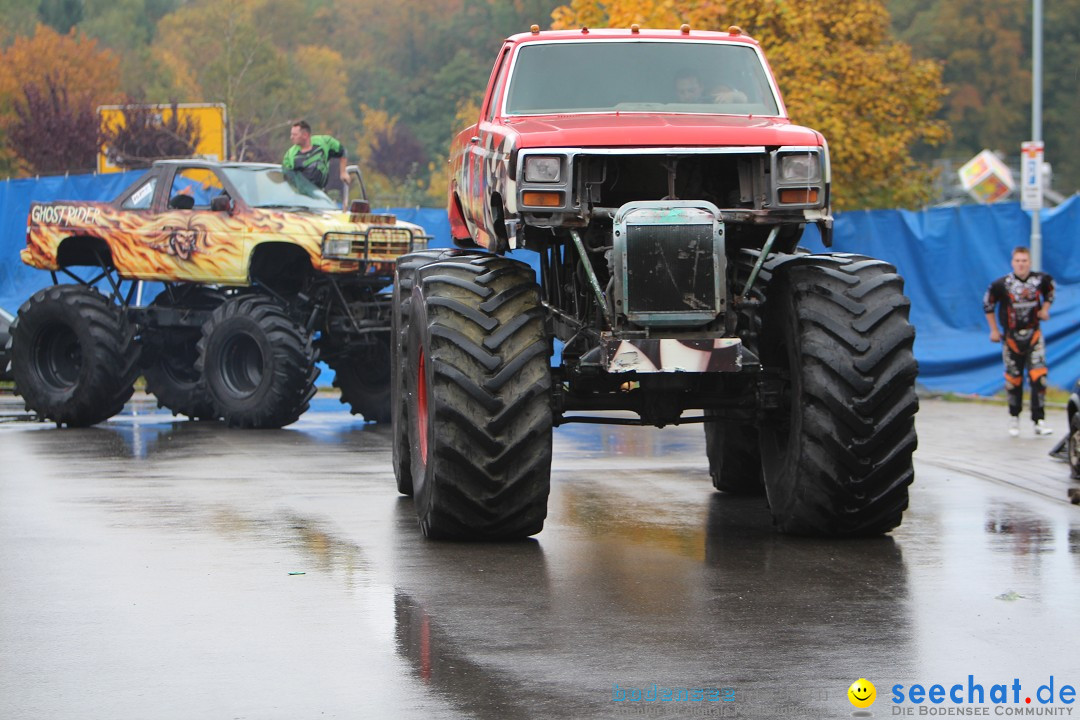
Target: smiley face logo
862, 693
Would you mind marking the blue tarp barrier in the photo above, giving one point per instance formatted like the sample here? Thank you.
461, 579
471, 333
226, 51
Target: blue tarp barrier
18, 281
947, 256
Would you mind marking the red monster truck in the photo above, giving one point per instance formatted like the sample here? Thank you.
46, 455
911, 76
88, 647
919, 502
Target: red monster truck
263, 272
658, 178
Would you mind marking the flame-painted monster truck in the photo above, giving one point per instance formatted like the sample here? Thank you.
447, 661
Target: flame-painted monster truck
664, 188
263, 274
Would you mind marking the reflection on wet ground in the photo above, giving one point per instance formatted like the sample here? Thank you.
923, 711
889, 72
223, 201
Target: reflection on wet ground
163, 554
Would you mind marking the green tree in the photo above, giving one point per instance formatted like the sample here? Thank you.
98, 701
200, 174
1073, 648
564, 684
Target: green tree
17, 17
128, 27
986, 48
60, 15
419, 60
986, 69
1061, 101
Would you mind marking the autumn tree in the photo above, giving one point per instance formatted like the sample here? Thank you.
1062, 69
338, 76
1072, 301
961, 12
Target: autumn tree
15, 20
219, 52
1061, 101
986, 68
52, 132
396, 153
841, 73
144, 134
394, 162
245, 53
986, 49
88, 75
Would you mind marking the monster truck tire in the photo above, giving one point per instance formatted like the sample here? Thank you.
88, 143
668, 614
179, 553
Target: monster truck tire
734, 458
1073, 445
363, 376
837, 454
74, 357
479, 393
732, 448
171, 375
404, 279
258, 365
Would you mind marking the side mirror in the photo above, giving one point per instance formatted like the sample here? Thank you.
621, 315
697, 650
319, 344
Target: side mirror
359, 207
221, 203
356, 179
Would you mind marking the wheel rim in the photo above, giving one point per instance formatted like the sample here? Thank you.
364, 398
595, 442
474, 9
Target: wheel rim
59, 356
422, 409
242, 365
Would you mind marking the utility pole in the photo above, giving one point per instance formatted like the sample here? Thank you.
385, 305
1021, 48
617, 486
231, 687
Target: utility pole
1036, 127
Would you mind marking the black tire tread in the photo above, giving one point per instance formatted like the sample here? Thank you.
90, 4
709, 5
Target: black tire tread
293, 366
110, 361
732, 449
406, 268
353, 377
491, 409
190, 399
854, 459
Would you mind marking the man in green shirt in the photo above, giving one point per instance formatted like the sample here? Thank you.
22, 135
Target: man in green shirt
310, 154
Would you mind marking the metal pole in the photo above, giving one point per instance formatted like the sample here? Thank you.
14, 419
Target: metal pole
1036, 124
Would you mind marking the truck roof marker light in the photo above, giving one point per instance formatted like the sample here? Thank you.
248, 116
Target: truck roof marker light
635, 29
734, 30
584, 30
534, 29
685, 29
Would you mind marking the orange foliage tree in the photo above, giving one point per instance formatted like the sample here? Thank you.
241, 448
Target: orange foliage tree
79, 70
840, 72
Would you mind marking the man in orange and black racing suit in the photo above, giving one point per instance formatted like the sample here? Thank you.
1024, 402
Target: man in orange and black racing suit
1023, 299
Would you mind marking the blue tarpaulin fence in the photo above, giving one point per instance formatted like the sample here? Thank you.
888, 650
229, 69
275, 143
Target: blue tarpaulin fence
947, 256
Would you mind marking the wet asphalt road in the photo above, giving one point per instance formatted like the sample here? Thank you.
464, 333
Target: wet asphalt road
159, 569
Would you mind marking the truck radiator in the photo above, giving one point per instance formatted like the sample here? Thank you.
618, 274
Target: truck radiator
669, 264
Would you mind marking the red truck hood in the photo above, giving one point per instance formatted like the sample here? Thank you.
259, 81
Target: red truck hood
656, 130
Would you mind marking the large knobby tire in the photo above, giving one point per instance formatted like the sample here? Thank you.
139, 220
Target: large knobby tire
363, 377
732, 447
73, 356
837, 455
258, 365
405, 271
479, 399
734, 458
170, 373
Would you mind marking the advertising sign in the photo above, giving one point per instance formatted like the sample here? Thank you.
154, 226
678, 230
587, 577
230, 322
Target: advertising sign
1031, 175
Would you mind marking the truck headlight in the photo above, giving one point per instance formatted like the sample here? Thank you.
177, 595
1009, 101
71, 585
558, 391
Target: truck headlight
336, 247
800, 168
542, 168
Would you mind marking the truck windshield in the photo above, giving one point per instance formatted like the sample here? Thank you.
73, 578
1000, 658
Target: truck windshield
639, 76
274, 187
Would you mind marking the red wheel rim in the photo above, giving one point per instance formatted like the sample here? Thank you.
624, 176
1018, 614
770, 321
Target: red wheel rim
421, 408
